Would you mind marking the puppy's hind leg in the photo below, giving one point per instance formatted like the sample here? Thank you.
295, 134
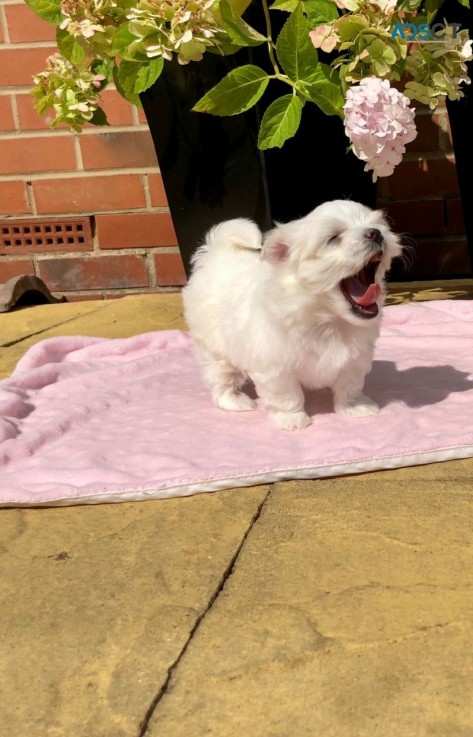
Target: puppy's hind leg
225, 382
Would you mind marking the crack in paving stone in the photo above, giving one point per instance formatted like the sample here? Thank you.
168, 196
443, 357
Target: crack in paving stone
226, 575
11, 343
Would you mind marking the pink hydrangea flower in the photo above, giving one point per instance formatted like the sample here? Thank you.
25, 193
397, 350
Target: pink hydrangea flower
324, 37
379, 124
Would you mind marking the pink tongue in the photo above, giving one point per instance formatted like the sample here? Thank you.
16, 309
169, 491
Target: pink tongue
360, 295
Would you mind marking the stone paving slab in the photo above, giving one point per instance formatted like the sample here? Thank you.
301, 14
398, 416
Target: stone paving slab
349, 614
20, 324
98, 602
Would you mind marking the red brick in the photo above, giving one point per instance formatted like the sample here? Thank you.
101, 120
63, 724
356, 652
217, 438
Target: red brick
416, 216
1, 33
6, 116
18, 66
140, 230
428, 133
169, 270
30, 119
9, 269
25, 155
13, 199
118, 110
425, 178
157, 191
88, 195
116, 149
455, 220
24, 25
104, 272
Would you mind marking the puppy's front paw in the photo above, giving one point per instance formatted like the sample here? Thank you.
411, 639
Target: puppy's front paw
235, 402
290, 420
362, 406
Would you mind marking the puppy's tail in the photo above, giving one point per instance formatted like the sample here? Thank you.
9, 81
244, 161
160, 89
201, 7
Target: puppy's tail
238, 233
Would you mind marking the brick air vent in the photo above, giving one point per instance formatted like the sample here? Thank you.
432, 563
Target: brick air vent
52, 235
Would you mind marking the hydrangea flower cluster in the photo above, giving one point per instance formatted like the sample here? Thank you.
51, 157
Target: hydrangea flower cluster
363, 35
185, 27
148, 29
91, 22
71, 92
378, 119
439, 70
379, 124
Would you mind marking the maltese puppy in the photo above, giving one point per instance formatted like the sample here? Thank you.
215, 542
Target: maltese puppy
298, 308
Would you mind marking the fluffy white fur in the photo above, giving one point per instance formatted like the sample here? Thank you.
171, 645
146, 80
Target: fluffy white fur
272, 309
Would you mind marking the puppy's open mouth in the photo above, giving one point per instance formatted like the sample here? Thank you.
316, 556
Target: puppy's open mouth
361, 291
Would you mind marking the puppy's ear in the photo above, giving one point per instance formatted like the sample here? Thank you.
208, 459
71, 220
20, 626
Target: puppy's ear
275, 248
382, 217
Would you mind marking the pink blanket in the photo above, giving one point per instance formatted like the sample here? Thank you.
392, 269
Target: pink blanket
87, 420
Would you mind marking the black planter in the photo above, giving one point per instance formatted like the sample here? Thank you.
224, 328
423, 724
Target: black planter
460, 113
211, 167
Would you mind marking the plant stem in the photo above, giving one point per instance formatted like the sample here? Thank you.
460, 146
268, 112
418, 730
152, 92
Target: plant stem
269, 34
284, 78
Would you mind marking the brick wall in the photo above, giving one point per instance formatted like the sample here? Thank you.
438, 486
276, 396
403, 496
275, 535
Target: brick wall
108, 174
422, 199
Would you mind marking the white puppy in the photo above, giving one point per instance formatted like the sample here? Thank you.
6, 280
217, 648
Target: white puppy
297, 308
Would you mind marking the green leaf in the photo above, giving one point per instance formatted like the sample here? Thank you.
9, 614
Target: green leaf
43, 103
280, 122
133, 77
235, 93
324, 91
349, 26
121, 84
121, 42
466, 3
148, 74
320, 11
49, 10
223, 47
68, 47
238, 31
103, 66
294, 48
287, 5
381, 52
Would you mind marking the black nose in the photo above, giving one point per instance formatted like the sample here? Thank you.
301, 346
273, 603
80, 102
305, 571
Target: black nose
375, 235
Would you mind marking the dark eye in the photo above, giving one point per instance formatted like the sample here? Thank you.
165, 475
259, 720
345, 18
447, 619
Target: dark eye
334, 238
